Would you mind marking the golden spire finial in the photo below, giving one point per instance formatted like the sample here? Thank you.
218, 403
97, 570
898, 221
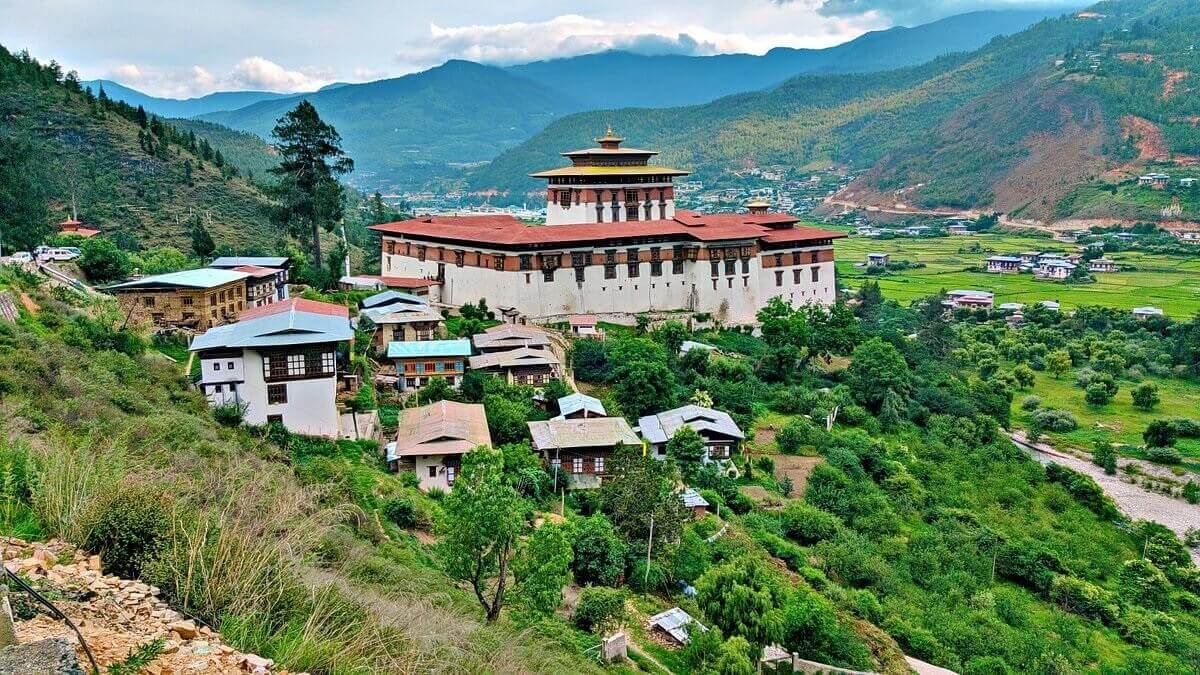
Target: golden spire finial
608, 131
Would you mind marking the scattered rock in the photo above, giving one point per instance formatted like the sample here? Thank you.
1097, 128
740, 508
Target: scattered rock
186, 630
52, 656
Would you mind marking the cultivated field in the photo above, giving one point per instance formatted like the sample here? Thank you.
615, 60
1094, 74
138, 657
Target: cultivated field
1169, 282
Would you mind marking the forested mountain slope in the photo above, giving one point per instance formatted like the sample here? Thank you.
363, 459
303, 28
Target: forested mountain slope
147, 185
187, 107
619, 79
1017, 125
411, 128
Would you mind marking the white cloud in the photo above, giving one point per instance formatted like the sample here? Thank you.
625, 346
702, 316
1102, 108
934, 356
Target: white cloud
254, 72
570, 35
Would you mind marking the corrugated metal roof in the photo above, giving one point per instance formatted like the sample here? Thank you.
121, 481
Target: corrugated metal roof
238, 261
511, 334
676, 623
292, 327
691, 498
441, 428
661, 427
514, 357
576, 402
594, 432
203, 277
389, 297
399, 313
411, 350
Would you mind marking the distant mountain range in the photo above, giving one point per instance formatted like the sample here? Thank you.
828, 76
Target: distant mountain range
618, 79
175, 107
411, 130
1041, 124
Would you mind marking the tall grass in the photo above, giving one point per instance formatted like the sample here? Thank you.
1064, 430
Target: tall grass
66, 478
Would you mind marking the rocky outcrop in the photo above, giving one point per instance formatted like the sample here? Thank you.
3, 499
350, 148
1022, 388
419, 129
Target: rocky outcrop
116, 616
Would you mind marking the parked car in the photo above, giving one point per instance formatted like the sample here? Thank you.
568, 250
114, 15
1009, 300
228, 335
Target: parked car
58, 254
19, 258
73, 249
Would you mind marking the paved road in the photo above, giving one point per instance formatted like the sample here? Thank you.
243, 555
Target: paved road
1134, 501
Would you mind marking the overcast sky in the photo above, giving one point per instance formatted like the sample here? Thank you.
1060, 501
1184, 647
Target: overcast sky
182, 49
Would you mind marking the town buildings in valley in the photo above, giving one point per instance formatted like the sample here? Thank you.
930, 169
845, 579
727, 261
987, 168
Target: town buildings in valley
279, 364
969, 299
722, 436
614, 244
1102, 265
433, 438
1054, 269
197, 299
1004, 264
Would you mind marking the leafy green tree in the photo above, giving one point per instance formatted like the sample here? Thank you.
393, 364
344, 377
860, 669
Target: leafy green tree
735, 657
644, 387
1098, 393
686, 447
542, 568
600, 609
163, 259
598, 553
1024, 376
797, 434
638, 490
692, 557
1160, 434
741, 598
1105, 455
483, 518
1144, 584
589, 360
811, 627
507, 418
554, 390
1145, 396
876, 368
1058, 363
311, 158
671, 334
102, 261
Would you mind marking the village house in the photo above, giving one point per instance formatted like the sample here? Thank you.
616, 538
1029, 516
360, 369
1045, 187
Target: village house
582, 448
1125, 237
614, 243
400, 317
721, 435
1055, 269
262, 285
1004, 264
580, 406
279, 363
511, 336
1155, 180
1187, 182
198, 299
867, 231
419, 362
1051, 305
523, 365
1102, 265
878, 259
281, 265
969, 299
958, 229
584, 325
433, 438
1030, 257
1143, 313
1011, 307
914, 230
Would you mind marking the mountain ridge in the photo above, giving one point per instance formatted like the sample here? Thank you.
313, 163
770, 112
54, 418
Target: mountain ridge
185, 107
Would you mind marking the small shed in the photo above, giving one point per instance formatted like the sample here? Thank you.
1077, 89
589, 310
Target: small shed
675, 624
584, 325
877, 259
694, 502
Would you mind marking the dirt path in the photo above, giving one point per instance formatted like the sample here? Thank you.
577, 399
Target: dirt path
1133, 500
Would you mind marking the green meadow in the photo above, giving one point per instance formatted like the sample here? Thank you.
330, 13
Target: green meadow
1169, 282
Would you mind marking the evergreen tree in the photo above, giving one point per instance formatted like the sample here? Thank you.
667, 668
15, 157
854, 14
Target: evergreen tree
142, 119
311, 160
202, 242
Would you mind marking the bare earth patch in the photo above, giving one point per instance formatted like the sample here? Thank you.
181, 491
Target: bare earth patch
798, 468
1171, 81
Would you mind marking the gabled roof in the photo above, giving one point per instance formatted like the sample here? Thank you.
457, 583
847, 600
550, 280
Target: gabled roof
229, 261
257, 272
423, 348
691, 498
575, 402
287, 325
592, 432
392, 297
402, 282
676, 623
582, 320
441, 428
295, 305
513, 358
511, 335
400, 313
661, 427
688, 345
203, 277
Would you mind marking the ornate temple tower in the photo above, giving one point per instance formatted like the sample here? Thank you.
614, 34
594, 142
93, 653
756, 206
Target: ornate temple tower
608, 184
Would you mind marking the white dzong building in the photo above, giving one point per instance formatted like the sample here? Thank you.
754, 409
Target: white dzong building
615, 245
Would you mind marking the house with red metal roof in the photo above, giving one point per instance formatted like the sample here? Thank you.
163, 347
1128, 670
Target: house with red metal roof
614, 245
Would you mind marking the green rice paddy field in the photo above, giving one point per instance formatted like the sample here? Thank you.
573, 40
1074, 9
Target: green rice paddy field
1169, 282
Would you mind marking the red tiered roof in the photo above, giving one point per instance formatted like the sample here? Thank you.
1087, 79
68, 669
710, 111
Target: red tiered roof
72, 226
257, 271
506, 230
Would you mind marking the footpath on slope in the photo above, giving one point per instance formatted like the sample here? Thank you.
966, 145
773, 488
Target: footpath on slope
115, 616
1134, 501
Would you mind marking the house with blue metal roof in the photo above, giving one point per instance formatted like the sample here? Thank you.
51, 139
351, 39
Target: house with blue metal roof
419, 362
279, 364
198, 299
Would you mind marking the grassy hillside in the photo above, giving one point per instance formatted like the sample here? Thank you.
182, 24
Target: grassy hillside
249, 153
119, 183
409, 129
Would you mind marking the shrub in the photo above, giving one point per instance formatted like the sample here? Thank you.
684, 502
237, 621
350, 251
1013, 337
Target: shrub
1105, 455
409, 479
1098, 393
1144, 584
1031, 403
401, 511
646, 581
1084, 489
1145, 396
599, 555
1083, 598
1191, 493
1164, 455
1160, 434
600, 608
797, 434
229, 414
126, 528
807, 524
1052, 419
